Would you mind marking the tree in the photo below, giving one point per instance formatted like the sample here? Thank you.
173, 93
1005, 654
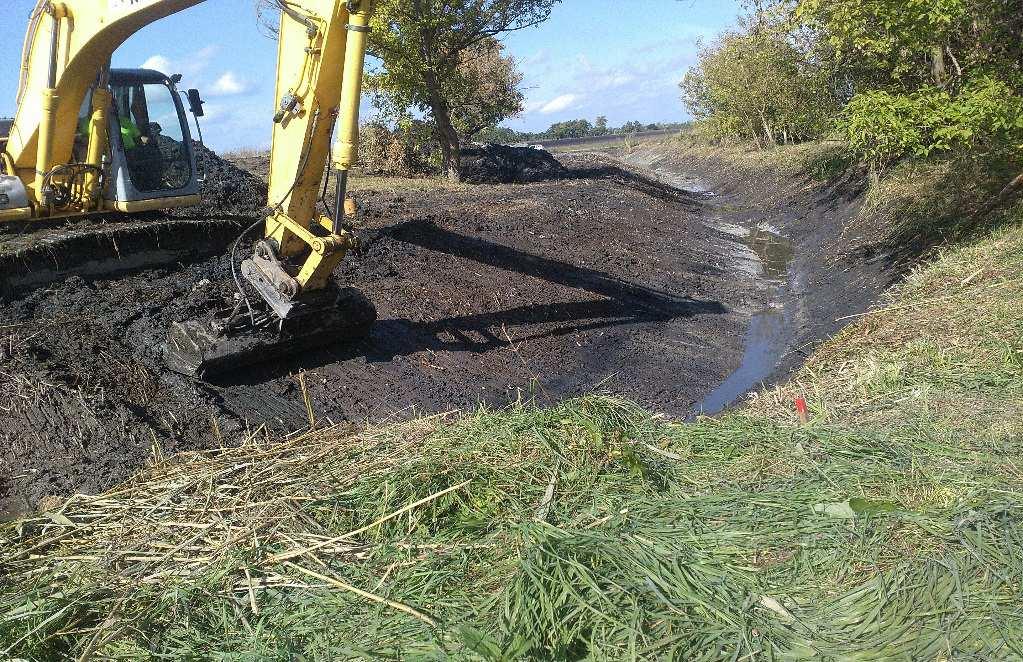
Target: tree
433, 50
485, 89
902, 40
929, 78
600, 126
632, 127
754, 83
570, 129
482, 91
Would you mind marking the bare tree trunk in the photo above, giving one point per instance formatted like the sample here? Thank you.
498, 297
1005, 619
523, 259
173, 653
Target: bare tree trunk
939, 71
447, 136
452, 156
756, 133
769, 135
450, 152
1014, 188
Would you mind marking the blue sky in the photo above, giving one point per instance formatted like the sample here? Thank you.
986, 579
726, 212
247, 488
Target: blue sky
593, 57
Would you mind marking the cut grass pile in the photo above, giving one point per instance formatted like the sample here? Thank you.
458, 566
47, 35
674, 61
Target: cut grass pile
587, 530
889, 527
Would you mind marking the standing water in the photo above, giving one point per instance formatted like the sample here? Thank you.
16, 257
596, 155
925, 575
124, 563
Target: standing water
768, 332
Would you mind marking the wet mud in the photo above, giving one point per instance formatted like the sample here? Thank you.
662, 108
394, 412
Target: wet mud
769, 332
793, 228
608, 277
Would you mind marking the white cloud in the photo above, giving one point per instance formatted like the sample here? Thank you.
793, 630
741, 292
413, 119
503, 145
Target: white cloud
540, 57
640, 85
160, 63
532, 105
227, 85
598, 81
556, 104
190, 67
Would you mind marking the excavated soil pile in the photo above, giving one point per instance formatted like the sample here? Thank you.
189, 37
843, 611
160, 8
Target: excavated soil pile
601, 279
226, 188
498, 164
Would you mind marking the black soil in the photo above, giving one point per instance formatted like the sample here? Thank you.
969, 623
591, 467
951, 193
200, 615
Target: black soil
501, 164
601, 278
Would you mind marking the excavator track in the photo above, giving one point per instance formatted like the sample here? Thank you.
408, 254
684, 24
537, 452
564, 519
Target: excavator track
91, 249
35, 254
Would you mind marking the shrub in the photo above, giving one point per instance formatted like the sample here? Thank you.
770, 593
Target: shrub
985, 116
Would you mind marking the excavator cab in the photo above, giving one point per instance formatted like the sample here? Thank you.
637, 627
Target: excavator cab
152, 163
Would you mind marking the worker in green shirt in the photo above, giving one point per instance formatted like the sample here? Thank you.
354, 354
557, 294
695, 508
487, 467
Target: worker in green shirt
130, 134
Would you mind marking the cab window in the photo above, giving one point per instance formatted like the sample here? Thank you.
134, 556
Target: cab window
151, 134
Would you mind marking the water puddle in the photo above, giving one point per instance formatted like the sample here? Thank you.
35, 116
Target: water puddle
688, 184
693, 186
775, 251
769, 330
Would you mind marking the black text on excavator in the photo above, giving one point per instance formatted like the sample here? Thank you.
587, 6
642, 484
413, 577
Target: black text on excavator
87, 139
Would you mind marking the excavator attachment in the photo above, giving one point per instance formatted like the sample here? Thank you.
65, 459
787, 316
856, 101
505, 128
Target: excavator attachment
290, 267
203, 349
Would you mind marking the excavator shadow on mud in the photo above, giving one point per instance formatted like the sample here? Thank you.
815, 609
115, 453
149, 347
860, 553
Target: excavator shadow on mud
88, 141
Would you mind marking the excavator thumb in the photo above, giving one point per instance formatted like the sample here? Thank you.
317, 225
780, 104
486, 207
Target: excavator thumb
203, 349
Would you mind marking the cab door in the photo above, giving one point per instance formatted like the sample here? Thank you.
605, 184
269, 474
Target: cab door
152, 157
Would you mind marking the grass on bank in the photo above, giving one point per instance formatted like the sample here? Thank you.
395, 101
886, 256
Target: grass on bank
890, 527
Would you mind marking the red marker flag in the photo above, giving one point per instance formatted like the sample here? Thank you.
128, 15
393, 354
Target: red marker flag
801, 410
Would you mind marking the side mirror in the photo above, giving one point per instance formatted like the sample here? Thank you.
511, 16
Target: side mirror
195, 103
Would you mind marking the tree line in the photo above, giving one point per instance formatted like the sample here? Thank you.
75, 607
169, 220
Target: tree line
896, 79
577, 128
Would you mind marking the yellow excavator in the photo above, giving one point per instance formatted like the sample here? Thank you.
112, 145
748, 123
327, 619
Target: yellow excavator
87, 139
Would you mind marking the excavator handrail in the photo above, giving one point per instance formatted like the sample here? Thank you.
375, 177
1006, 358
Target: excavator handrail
26, 49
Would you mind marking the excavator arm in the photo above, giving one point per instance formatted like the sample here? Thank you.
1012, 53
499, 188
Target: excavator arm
321, 56
320, 63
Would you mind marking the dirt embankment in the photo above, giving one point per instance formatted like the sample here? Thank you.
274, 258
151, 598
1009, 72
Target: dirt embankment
825, 280
602, 277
